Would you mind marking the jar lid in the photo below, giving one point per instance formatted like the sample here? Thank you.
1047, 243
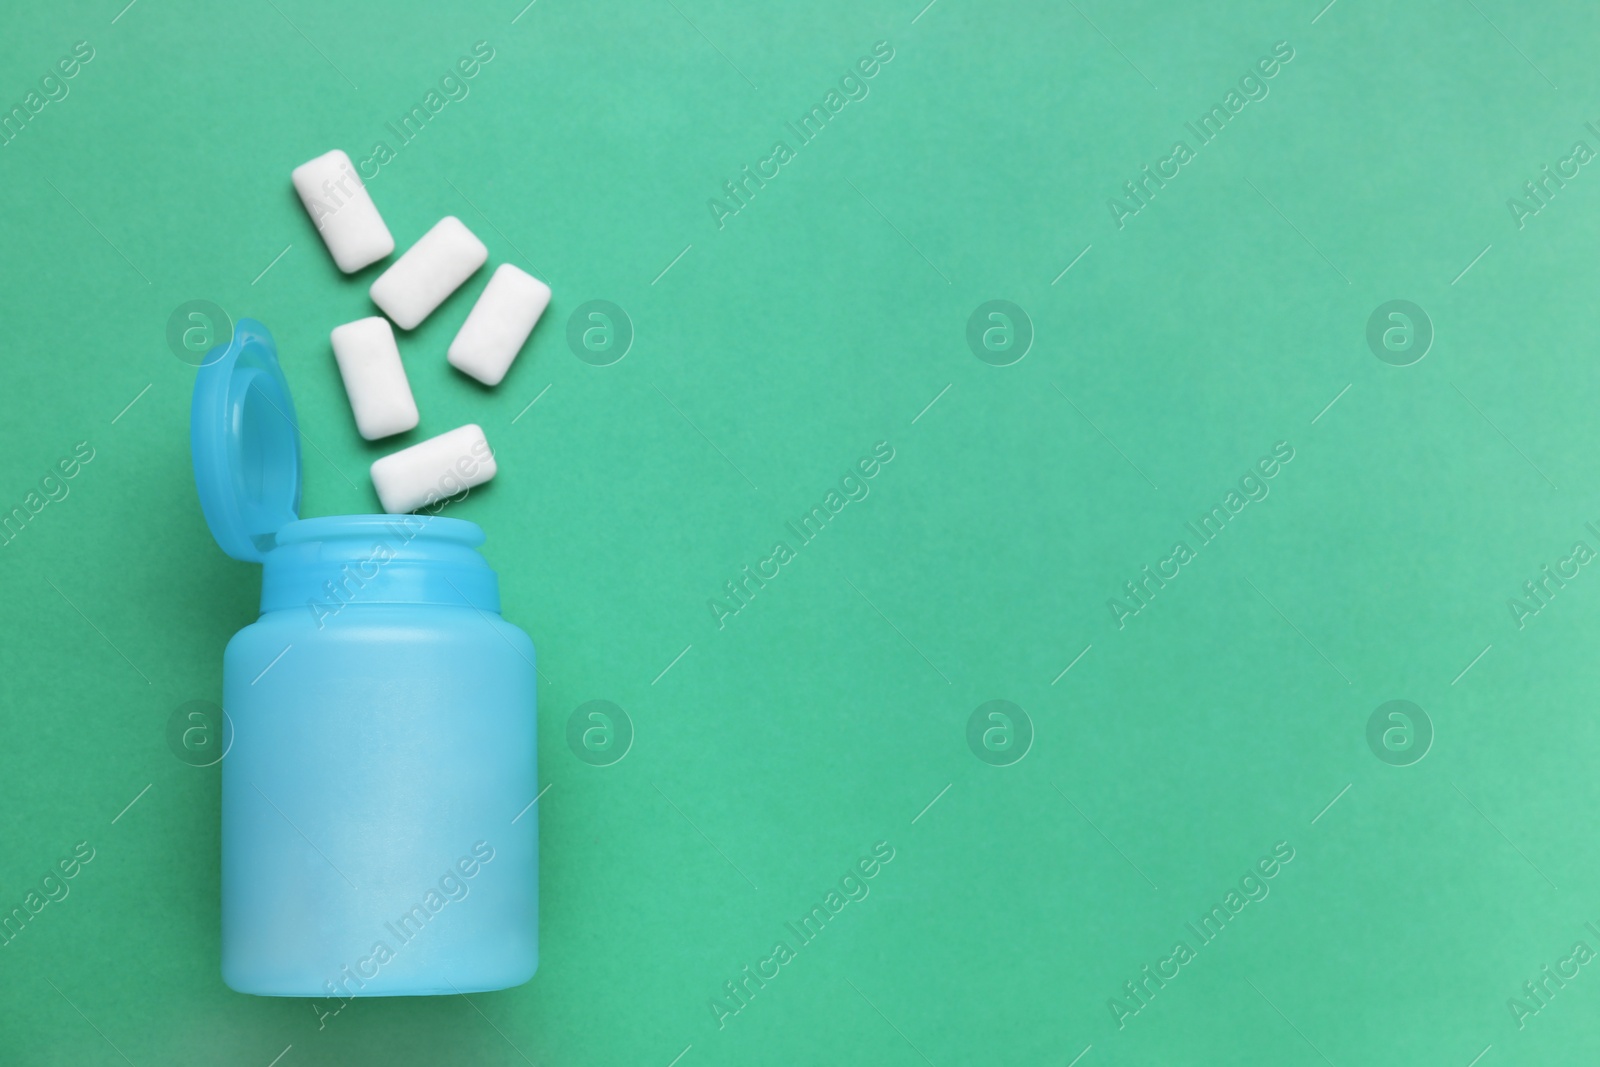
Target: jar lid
245, 442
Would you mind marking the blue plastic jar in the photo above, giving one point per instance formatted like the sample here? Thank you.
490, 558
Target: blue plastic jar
377, 838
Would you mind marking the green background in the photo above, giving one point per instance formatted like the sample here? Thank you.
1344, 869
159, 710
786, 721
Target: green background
832, 711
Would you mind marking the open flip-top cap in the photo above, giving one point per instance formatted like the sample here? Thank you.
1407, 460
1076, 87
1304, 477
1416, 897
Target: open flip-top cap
245, 442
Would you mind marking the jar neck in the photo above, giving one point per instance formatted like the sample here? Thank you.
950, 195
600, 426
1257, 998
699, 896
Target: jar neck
328, 564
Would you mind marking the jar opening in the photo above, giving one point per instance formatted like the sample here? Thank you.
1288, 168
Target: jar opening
340, 560
336, 527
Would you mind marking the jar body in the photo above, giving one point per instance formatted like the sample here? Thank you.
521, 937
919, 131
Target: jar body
378, 837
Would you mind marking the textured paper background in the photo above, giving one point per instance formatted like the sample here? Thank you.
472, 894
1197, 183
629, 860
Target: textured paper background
768, 356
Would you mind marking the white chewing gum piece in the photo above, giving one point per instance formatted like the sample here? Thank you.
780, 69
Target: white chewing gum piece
374, 377
428, 272
433, 470
499, 324
343, 211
